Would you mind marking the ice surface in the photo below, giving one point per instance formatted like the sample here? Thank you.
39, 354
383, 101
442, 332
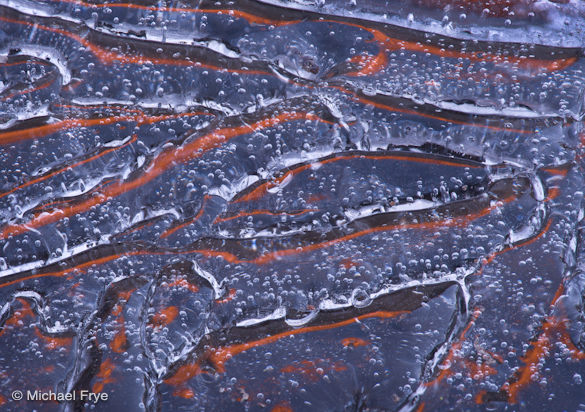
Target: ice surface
293, 204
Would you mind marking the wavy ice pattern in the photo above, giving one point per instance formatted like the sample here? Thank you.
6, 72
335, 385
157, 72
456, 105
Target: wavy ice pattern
293, 205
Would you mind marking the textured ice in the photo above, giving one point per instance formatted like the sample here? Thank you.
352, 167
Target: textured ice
293, 205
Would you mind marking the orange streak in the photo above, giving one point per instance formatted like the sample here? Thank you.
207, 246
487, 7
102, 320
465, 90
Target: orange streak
546, 65
41, 131
556, 171
53, 343
540, 348
553, 193
159, 165
104, 376
527, 242
29, 90
576, 353
261, 190
35, 62
126, 294
221, 356
425, 115
89, 159
316, 198
45, 130
108, 57
231, 295
67, 271
58, 204
282, 407
185, 393
26, 309
347, 263
393, 44
117, 309
18, 315
229, 12
166, 316
172, 230
355, 342
261, 212
531, 359
229, 257
369, 64
455, 347
311, 371
119, 344
479, 371
427, 225
535, 238
183, 283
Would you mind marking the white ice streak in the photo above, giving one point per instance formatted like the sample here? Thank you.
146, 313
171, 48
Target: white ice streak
49, 54
69, 253
175, 103
279, 313
302, 321
22, 115
228, 192
538, 188
557, 33
418, 204
217, 289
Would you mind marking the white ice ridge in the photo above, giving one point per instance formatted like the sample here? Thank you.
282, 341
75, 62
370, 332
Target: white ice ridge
278, 313
175, 103
47, 54
517, 112
456, 277
21, 115
217, 289
70, 252
418, 204
554, 35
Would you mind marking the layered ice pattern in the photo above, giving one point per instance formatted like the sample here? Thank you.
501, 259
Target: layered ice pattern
293, 205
